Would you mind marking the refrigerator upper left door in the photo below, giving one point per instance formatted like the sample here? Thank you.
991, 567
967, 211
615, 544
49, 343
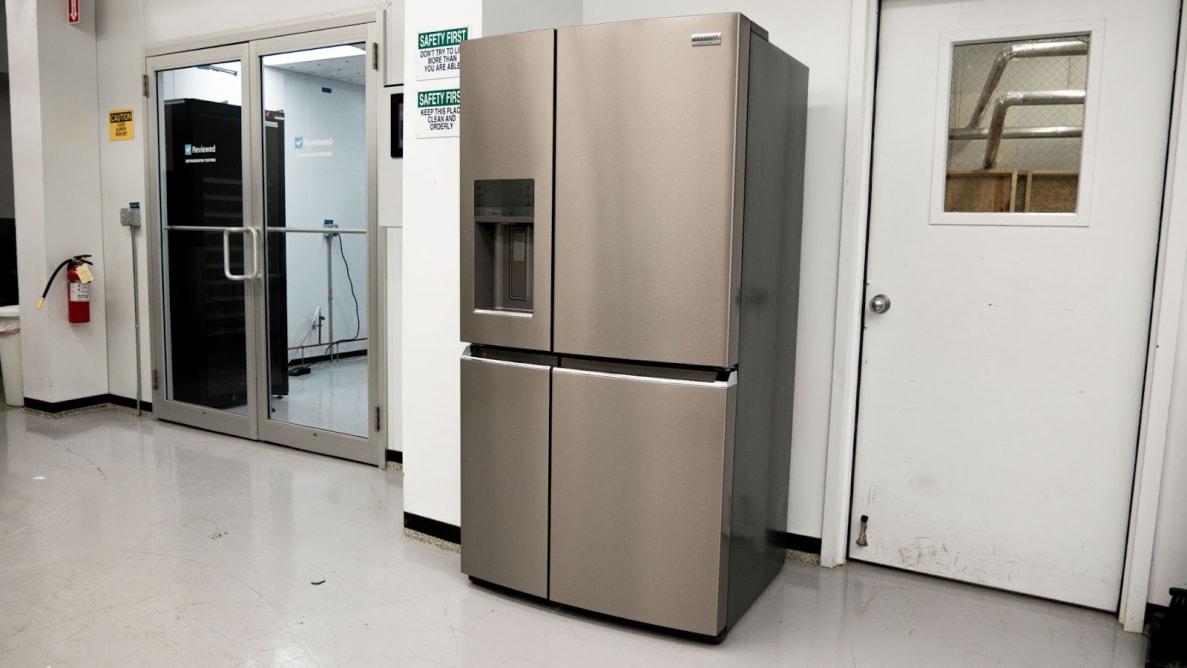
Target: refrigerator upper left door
506, 190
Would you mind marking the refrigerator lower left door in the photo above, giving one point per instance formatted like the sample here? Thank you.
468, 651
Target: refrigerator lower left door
504, 461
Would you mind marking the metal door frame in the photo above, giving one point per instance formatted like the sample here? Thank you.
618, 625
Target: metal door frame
1169, 293
307, 438
203, 417
256, 425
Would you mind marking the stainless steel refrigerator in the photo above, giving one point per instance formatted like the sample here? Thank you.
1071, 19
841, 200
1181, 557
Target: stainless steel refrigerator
631, 203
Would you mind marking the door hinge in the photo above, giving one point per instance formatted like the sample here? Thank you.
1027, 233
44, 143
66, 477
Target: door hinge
155, 384
375, 56
144, 84
378, 421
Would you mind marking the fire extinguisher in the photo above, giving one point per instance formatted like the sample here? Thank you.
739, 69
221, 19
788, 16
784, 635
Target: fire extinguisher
78, 288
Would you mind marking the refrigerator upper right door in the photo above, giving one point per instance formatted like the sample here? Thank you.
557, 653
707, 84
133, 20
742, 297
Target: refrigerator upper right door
648, 189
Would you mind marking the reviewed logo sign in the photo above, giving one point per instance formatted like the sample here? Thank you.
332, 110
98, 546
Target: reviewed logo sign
197, 149
313, 148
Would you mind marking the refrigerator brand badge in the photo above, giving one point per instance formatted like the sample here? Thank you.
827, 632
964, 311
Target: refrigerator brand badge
706, 39
440, 53
438, 113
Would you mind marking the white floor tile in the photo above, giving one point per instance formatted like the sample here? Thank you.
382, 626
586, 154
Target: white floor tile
132, 542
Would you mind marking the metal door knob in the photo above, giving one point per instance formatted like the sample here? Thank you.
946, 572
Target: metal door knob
880, 304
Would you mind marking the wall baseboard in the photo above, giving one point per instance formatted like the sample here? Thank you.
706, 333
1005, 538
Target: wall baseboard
125, 402
82, 403
439, 530
453, 534
794, 541
397, 457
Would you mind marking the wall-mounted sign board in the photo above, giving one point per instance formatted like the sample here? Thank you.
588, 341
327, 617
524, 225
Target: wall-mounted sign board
438, 113
440, 53
121, 125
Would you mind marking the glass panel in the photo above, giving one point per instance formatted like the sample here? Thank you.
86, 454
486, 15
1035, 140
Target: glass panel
315, 171
201, 162
1015, 125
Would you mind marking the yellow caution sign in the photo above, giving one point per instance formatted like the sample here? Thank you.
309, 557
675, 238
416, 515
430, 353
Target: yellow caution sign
120, 125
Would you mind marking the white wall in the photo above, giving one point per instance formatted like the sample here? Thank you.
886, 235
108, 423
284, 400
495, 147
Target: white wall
1170, 537
53, 90
502, 17
323, 183
170, 20
431, 347
817, 34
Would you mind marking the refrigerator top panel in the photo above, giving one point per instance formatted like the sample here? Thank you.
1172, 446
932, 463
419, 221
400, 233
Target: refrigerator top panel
650, 137
506, 190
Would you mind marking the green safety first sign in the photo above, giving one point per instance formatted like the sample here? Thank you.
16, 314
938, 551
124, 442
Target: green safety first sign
438, 112
440, 53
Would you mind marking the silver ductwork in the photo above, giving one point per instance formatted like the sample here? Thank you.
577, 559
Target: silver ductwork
1008, 100
1068, 47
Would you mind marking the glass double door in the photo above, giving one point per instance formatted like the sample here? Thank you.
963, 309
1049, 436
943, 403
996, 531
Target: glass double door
261, 224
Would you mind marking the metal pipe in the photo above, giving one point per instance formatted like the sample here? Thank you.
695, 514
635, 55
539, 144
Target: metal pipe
1053, 132
312, 230
330, 287
1069, 47
1029, 99
136, 319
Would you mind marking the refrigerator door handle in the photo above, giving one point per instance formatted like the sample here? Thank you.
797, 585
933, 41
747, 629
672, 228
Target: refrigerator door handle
730, 382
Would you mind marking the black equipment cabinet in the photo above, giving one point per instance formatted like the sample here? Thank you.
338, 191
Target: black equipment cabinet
206, 315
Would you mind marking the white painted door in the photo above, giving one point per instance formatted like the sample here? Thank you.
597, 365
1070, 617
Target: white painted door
1000, 392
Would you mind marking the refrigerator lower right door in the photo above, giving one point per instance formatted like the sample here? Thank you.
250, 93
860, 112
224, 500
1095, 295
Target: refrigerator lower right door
640, 471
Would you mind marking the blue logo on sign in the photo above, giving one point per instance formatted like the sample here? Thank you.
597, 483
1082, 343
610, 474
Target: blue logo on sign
299, 142
189, 149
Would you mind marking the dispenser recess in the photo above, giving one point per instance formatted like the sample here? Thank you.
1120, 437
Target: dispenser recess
503, 234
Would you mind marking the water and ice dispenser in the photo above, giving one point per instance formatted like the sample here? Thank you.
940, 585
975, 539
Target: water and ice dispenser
503, 221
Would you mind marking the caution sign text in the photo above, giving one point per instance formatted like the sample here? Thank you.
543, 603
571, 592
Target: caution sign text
120, 125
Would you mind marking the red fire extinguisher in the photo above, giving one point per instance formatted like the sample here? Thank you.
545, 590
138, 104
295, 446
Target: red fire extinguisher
78, 288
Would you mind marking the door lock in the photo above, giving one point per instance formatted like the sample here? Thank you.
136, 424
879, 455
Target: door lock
880, 304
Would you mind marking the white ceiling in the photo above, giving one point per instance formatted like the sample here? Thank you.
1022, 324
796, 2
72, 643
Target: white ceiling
349, 69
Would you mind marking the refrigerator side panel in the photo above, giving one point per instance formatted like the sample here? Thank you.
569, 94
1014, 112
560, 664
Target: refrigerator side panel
645, 186
638, 497
504, 462
766, 366
506, 152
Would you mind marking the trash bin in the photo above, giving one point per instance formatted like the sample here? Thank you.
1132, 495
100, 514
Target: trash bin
10, 355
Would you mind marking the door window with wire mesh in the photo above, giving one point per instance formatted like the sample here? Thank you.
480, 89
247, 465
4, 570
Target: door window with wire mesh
1016, 125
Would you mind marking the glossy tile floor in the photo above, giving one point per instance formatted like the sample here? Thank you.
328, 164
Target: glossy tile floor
332, 396
127, 542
